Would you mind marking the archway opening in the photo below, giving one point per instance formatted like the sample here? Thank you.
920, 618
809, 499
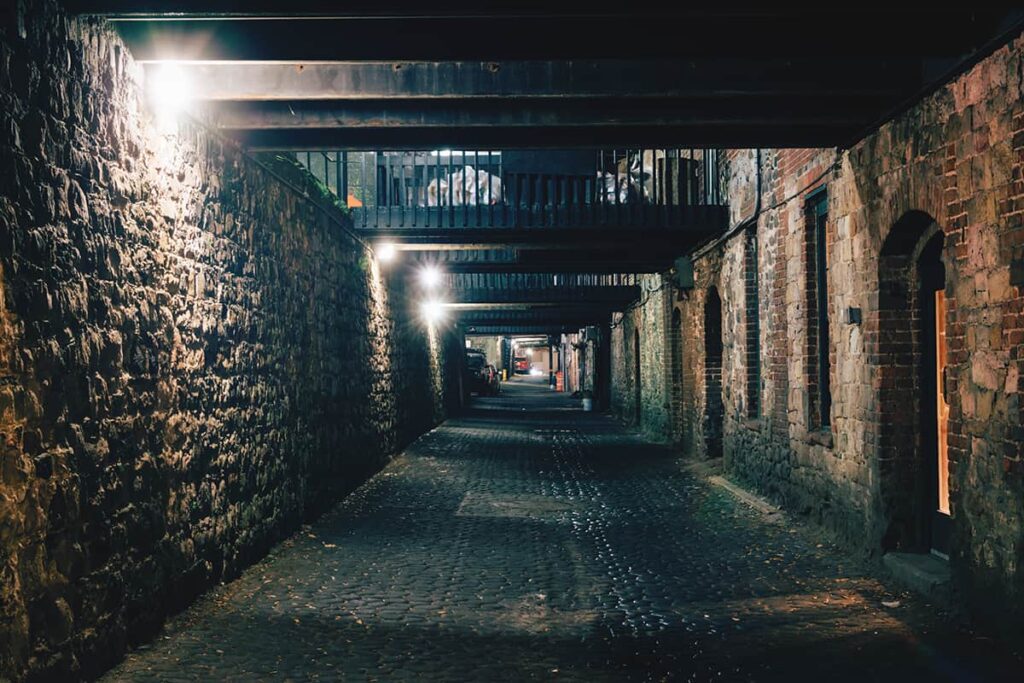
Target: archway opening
913, 418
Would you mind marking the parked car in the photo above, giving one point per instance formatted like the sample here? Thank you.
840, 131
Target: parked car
476, 377
494, 381
521, 366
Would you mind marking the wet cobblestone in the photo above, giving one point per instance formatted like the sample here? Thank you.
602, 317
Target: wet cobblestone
546, 544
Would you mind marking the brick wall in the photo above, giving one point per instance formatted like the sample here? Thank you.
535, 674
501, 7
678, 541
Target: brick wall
649, 323
194, 357
952, 164
752, 326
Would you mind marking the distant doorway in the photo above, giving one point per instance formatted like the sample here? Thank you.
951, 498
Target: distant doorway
934, 418
914, 417
714, 411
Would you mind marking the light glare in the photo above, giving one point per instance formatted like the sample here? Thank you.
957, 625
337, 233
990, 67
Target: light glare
430, 277
432, 311
169, 89
386, 252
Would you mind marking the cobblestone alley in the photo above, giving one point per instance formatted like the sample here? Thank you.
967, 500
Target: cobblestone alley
528, 541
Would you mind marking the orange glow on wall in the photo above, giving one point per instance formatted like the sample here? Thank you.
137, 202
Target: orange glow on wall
942, 408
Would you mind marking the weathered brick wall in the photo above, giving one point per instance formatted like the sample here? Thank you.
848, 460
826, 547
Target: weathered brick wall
194, 358
647, 322
955, 159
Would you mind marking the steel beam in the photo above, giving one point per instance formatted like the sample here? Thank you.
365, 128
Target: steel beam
520, 329
630, 79
726, 135
563, 320
288, 34
708, 220
553, 309
606, 265
733, 11
514, 294
599, 264
540, 113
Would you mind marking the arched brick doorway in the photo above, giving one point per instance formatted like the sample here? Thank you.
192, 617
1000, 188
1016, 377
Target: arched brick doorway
913, 469
714, 411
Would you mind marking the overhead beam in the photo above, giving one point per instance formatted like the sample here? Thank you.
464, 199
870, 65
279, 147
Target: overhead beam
607, 265
599, 114
473, 8
289, 36
628, 78
570, 321
511, 262
553, 296
518, 329
624, 259
529, 309
707, 220
729, 134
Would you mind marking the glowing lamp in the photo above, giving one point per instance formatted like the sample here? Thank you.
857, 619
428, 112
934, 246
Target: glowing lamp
169, 89
432, 311
386, 252
430, 277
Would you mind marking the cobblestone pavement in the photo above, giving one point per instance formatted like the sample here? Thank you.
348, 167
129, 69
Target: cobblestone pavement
525, 544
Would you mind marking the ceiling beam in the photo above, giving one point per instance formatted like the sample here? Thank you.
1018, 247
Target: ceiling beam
564, 320
470, 8
515, 294
611, 236
530, 309
729, 135
602, 115
628, 78
607, 265
520, 329
290, 35
625, 259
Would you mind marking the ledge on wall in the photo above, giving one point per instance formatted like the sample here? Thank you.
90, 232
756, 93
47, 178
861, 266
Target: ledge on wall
751, 423
922, 573
819, 437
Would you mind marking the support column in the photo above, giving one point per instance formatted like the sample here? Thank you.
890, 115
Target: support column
603, 371
551, 364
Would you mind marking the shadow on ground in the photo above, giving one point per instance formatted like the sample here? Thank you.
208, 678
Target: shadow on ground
529, 540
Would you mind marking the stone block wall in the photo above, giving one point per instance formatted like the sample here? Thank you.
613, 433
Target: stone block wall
195, 356
950, 165
644, 327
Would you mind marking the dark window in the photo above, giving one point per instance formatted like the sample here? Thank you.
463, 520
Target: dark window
752, 304
818, 361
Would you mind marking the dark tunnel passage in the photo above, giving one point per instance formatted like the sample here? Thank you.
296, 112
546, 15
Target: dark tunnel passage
510, 341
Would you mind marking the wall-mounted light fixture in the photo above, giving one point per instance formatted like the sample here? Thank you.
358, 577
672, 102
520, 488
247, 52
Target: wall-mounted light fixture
169, 89
386, 252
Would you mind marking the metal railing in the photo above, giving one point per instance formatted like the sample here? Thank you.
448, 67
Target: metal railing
479, 189
534, 282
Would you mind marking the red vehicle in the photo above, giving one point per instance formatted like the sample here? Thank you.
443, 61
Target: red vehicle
521, 366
